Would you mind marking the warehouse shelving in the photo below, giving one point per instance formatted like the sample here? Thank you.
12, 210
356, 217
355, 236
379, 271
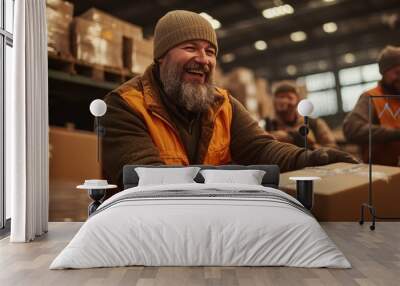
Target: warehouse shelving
81, 80
74, 84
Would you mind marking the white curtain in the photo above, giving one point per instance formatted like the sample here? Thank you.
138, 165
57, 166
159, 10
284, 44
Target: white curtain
27, 124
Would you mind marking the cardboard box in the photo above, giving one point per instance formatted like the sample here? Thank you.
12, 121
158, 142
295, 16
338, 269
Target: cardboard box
140, 63
338, 196
73, 159
125, 28
97, 43
59, 18
143, 47
137, 53
141, 55
241, 84
265, 99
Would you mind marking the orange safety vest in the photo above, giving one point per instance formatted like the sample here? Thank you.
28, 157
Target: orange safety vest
166, 137
388, 113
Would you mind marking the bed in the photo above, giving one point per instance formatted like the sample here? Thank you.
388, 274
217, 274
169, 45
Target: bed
201, 224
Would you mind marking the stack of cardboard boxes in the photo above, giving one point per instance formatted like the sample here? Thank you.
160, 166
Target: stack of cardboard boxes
96, 43
59, 18
106, 40
265, 99
124, 28
97, 38
242, 85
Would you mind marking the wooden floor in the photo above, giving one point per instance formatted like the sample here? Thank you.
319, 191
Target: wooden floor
375, 256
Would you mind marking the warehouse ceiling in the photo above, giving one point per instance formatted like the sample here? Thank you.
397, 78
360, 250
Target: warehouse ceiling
354, 30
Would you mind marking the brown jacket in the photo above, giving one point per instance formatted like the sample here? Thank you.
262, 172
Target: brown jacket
385, 138
356, 124
127, 140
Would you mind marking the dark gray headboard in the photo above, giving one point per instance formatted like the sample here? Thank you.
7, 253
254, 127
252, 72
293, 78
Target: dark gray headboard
270, 179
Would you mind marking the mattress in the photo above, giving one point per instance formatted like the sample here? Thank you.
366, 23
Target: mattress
201, 225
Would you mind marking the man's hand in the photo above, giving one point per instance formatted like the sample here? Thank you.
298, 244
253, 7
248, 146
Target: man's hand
324, 156
298, 139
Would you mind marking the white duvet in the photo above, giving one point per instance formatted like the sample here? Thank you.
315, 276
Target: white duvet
207, 230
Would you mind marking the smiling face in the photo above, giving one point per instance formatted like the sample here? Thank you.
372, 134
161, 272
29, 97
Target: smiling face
285, 105
186, 72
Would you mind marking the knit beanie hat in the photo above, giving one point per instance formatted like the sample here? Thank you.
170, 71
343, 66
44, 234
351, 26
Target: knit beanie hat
286, 86
180, 26
389, 57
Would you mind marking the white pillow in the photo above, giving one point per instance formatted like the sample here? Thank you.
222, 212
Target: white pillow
248, 177
164, 176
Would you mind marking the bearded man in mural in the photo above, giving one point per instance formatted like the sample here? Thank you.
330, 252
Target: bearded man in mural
173, 114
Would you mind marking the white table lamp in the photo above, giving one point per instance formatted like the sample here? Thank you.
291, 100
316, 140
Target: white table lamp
305, 108
98, 108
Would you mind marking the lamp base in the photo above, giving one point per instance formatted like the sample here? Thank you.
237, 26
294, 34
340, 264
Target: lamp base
96, 195
304, 190
372, 211
305, 193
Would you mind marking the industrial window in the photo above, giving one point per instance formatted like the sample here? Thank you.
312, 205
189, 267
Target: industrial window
325, 102
322, 93
354, 81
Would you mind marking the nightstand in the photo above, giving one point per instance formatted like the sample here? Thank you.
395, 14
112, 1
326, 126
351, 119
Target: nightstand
96, 190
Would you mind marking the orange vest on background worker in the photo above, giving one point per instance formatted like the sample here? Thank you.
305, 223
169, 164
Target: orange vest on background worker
388, 113
166, 137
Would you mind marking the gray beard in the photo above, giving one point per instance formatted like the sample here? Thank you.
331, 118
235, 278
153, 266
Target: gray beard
194, 97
